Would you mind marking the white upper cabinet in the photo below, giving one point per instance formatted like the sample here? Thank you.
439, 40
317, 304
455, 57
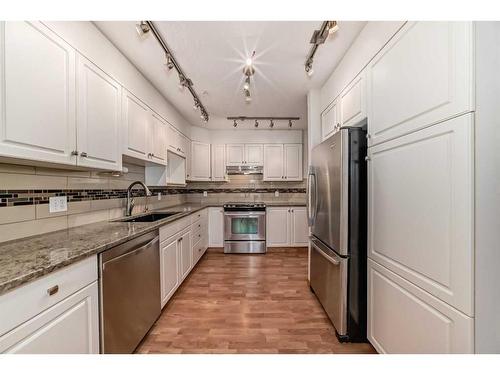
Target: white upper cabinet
254, 154
37, 94
158, 139
422, 76
273, 162
244, 154
235, 154
420, 209
293, 162
283, 162
330, 120
98, 117
136, 119
200, 166
218, 162
353, 101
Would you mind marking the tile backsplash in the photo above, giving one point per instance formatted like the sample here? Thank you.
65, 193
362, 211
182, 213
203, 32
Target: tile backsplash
92, 197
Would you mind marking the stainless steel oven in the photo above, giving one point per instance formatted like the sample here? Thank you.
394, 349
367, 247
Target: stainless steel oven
244, 228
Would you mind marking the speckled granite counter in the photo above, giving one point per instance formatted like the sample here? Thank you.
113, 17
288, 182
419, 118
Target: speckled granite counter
25, 260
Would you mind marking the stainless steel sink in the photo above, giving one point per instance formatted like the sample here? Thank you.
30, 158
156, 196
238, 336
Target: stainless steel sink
148, 218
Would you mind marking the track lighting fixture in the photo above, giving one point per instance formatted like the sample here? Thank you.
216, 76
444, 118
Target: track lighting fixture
145, 27
235, 124
169, 63
142, 28
246, 86
248, 71
319, 37
256, 124
271, 124
235, 120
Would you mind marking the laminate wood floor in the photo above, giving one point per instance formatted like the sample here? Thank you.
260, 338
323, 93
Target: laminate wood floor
246, 304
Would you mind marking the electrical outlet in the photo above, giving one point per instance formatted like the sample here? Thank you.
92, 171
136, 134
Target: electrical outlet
159, 196
58, 204
276, 193
205, 194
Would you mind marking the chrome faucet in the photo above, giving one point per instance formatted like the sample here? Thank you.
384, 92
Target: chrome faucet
130, 200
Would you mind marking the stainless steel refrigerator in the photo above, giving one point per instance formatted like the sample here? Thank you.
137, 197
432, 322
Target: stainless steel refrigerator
338, 220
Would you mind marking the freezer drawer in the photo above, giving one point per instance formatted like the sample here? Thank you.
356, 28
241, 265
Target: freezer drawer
329, 283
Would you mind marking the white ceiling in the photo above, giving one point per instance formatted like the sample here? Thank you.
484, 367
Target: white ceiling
213, 54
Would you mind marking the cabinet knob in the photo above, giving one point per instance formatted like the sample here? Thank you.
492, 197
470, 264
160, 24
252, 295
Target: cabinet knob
367, 158
53, 290
74, 153
368, 136
83, 155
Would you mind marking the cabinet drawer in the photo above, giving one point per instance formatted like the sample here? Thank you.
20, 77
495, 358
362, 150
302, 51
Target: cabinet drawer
198, 216
169, 230
23, 303
69, 327
420, 209
199, 249
403, 318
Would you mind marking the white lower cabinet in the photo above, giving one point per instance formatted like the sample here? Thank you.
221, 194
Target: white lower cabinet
66, 320
403, 318
185, 253
420, 210
169, 265
286, 226
215, 227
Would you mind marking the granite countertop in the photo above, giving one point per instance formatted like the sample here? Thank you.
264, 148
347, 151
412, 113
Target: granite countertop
25, 260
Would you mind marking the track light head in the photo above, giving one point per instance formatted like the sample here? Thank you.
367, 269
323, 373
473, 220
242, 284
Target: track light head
169, 63
142, 28
271, 124
289, 123
246, 85
256, 124
309, 68
333, 27
235, 124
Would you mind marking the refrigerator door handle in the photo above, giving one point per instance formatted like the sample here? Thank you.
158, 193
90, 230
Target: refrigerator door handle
312, 198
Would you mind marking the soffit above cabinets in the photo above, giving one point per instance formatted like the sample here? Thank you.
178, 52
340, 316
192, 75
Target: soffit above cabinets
213, 55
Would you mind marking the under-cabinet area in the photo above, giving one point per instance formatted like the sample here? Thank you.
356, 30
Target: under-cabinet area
334, 192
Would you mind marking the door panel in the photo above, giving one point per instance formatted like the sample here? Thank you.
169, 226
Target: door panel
299, 234
37, 105
185, 254
235, 154
402, 318
329, 120
273, 162
420, 195
353, 101
158, 139
254, 154
169, 263
98, 117
200, 167
218, 162
293, 162
277, 226
423, 76
136, 121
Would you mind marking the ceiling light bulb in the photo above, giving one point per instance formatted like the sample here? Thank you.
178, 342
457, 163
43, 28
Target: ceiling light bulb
235, 124
310, 71
248, 98
169, 63
256, 124
271, 124
196, 105
289, 123
248, 62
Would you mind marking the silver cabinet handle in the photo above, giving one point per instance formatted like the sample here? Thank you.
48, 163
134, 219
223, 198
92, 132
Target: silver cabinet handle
83, 155
53, 290
74, 153
367, 158
332, 259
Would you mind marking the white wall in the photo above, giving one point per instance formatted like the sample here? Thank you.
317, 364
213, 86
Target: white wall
313, 119
90, 42
487, 194
255, 136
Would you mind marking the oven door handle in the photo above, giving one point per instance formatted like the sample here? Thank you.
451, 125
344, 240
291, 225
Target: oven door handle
253, 214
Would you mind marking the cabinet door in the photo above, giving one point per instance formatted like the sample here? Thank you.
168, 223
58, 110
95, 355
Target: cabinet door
136, 119
422, 76
185, 254
420, 209
330, 120
98, 117
186, 147
218, 162
299, 231
200, 167
277, 226
293, 162
353, 101
169, 269
215, 227
273, 162
254, 154
37, 100
69, 327
158, 139
402, 318
173, 139
184, 144
235, 154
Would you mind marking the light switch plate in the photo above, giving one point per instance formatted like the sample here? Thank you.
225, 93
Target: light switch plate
58, 204
276, 193
205, 194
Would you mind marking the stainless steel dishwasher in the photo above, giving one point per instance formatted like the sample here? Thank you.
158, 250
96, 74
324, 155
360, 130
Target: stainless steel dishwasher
129, 276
